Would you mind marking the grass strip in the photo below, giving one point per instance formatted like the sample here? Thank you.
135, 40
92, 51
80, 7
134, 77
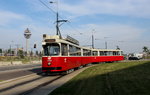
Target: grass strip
132, 78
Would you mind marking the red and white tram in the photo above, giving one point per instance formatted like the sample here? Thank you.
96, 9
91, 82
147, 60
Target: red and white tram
63, 55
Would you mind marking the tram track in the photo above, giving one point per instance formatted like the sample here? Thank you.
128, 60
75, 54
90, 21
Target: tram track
44, 84
33, 84
25, 85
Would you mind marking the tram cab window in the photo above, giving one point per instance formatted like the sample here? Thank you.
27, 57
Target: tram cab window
64, 50
51, 49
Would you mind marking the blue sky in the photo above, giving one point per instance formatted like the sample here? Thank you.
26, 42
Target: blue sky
125, 23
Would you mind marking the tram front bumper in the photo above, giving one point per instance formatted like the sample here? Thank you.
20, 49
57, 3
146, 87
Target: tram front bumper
44, 69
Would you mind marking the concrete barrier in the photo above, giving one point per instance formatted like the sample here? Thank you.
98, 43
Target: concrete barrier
36, 61
5, 63
17, 62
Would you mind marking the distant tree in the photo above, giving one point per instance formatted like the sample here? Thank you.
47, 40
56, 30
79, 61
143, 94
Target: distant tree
37, 53
1, 50
9, 51
25, 53
31, 53
21, 54
13, 52
145, 49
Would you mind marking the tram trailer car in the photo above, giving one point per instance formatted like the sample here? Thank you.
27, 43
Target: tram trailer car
62, 55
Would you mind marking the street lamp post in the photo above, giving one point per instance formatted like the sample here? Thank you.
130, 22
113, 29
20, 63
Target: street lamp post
27, 35
92, 41
106, 42
17, 48
93, 31
11, 54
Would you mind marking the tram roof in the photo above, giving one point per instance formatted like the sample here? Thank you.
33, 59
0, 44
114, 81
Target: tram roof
63, 40
57, 40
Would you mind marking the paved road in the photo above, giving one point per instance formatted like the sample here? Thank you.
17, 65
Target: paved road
23, 66
10, 71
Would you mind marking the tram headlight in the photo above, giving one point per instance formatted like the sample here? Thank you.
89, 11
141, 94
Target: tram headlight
49, 63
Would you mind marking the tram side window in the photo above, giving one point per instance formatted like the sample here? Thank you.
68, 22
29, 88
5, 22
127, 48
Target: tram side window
105, 53
121, 52
114, 53
101, 53
95, 53
64, 49
89, 52
117, 53
110, 53
78, 51
86, 52
73, 50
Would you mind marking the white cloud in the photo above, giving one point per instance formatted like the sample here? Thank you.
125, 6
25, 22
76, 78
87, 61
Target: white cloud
126, 36
115, 31
7, 17
135, 8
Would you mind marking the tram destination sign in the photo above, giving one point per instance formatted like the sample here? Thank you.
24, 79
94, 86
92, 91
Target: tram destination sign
72, 40
50, 40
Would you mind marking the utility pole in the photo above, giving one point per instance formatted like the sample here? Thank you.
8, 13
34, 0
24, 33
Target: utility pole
58, 21
57, 27
11, 54
93, 31
106, 42
92, 41
17, 45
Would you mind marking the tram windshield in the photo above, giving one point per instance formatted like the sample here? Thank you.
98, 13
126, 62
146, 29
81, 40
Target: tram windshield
51, 49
